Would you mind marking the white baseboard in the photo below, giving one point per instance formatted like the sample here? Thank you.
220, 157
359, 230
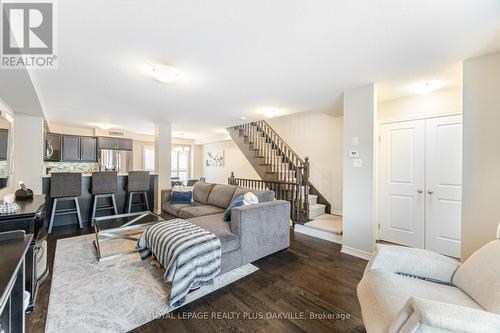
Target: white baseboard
329, 236
157, 211
336, 212
356, 253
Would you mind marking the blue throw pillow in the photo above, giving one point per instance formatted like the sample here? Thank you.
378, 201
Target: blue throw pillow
182, 197
236, 203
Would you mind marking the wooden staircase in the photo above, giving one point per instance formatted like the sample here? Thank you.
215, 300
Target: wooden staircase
280, 168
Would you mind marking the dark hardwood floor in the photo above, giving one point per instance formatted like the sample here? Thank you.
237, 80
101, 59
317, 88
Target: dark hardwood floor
311, 278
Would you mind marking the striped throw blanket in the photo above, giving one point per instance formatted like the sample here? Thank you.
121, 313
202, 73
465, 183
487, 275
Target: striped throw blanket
191, 255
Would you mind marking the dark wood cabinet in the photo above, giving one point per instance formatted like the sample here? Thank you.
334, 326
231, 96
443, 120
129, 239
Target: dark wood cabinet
79, 148
88, 149
124, 144
53, 147
70, 148
114, 143
106, 143
4, 143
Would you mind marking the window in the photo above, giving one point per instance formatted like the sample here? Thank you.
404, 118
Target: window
181, 156
149, 159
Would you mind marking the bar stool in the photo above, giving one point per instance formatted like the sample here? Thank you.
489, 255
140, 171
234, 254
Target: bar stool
104, 186
138, 183
65, 186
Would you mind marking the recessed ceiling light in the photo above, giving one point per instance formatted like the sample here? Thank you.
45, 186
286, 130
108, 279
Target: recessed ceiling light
269, 112
426, 87
243, 118
164, 74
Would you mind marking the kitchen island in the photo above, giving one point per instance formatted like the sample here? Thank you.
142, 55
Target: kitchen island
85, 199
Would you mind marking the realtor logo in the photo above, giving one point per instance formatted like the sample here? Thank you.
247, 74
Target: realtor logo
28, 34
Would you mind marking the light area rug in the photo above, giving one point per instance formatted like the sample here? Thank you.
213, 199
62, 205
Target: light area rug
111, 296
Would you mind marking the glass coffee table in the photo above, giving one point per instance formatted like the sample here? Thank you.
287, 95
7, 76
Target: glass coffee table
123, 226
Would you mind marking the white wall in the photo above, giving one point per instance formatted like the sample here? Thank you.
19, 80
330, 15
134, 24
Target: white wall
360, 114
28, 151
318, 136
163, 147
481, 152
438, 103
234, 161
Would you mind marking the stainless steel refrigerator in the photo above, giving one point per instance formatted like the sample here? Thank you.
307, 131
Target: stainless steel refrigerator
115, 160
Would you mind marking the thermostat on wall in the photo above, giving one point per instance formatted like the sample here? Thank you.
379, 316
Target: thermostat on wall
354, 153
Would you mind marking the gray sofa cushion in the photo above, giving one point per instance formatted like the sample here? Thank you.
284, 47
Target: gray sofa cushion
174, 209
221, 229
263, 196
201, 191
221, 195
199, 210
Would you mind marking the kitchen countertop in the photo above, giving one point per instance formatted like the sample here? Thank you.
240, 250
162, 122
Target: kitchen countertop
85, 174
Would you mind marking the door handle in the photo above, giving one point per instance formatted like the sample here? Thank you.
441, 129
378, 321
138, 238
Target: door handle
430, 191
420, 190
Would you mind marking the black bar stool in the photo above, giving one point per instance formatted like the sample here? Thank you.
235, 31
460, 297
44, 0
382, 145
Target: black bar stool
104, 186
138, 183
65, 186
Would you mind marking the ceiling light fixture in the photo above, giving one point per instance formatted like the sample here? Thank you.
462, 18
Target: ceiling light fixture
269, 112
426, 87
164, 74
243, 118
105, 126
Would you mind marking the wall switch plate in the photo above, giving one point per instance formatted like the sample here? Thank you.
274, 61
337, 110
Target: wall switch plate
355, 140
353, 153
357, 163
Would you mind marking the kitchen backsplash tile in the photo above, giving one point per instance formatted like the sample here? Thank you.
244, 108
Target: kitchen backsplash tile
70, 166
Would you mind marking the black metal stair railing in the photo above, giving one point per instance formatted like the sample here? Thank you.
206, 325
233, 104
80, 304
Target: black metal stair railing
286, 173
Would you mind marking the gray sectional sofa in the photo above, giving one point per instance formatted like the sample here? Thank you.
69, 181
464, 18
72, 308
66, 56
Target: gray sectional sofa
254, 231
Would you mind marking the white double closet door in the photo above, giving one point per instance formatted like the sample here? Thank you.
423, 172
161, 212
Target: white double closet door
421, 183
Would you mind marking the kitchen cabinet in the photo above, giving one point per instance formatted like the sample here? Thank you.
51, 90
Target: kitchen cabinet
106, 143
88, 149
52, 147
4, 139
115, 143
79, 148
70, 148
124, 144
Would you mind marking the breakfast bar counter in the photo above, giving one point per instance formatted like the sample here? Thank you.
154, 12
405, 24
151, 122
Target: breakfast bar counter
85, 199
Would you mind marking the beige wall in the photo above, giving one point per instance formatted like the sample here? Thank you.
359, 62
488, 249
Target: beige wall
234, 160
28, 151
138, 156
438, 103
318, 136
197, 161
72, 130
481, 168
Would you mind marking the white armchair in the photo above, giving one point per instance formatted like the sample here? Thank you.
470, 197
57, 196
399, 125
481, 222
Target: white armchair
413, 290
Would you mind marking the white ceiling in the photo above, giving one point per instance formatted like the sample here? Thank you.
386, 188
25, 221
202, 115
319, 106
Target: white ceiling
237, 56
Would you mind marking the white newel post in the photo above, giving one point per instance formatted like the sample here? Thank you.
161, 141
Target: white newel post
163, 147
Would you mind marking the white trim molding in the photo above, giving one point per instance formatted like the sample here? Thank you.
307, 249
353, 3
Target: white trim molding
356, 253
336, 212
318, 233
410, 118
